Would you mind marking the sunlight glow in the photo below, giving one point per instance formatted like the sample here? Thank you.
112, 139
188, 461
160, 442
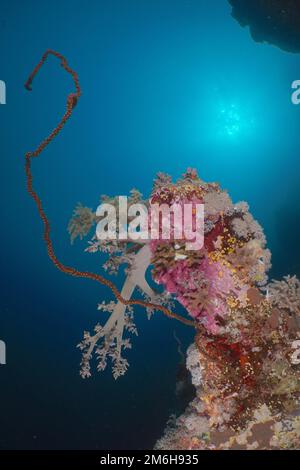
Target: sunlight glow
233, 122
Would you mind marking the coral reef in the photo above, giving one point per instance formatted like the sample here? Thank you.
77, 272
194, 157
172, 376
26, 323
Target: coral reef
233, 258
245, 360
273, 21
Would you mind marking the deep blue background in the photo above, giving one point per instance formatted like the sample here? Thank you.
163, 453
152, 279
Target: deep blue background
159, 78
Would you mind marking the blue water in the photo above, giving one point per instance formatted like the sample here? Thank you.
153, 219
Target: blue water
166, 84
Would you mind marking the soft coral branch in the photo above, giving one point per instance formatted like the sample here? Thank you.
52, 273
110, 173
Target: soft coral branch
111, 334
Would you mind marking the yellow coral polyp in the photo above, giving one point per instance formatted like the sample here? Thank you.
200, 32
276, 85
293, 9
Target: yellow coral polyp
215, 256
232, 302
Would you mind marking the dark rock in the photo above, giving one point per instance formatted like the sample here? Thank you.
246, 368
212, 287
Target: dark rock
273, 21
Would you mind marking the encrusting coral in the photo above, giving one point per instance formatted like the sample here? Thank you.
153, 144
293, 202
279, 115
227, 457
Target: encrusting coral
246, 356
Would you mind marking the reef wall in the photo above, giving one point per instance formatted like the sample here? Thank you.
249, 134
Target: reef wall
245, 359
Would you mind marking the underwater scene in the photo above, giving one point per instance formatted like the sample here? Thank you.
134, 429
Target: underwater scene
150, 292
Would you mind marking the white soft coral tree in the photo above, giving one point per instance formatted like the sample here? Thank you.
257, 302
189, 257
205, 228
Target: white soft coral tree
108, 342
